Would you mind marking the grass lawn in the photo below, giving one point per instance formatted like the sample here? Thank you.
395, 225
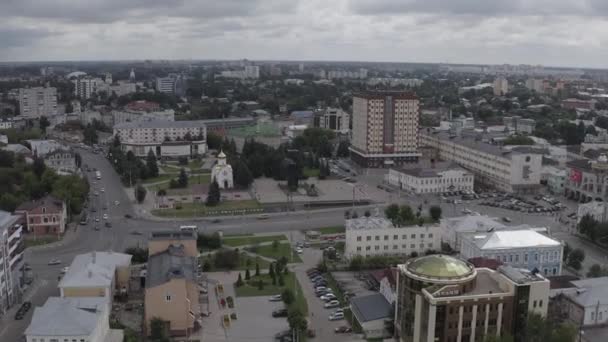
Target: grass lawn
160, 178
251, 240
283, 250
198, 209
331, 230
250, 289
308, 172
192, 179
245, 261
195, 164
31, 242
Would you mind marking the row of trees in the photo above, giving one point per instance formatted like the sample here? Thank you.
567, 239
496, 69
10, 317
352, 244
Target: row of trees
20, 182
593, 229
130, 168
404, 215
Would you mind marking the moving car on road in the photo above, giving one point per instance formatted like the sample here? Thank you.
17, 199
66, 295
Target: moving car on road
54, 262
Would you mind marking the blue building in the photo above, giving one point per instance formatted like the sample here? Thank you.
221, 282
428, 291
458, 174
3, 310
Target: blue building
519, 248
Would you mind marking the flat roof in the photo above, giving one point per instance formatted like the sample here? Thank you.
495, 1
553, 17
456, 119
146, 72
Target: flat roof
94, 269
161, 124
67, 316
370, 308
433, 171
479, 141
506, 239
170, 264
173, 235
369, 223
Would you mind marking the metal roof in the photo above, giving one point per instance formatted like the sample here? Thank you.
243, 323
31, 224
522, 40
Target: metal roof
440, 266
370, 308
590, 292
170, 264
161, 124
94, 269
67, 316
506, 239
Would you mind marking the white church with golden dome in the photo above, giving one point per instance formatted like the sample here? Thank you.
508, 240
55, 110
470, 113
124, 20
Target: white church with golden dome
222, 172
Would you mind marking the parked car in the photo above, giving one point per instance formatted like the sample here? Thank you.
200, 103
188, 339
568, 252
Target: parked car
343, 330
279, 313
506, 219
275, 298
108, 224
328, 297
336, 317
128, 216
54, 262
332, 304
299, 250
105, 216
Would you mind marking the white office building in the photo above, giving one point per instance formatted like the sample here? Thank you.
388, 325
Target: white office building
11, 258
441, 177
38, 101
167, 139
126, 115
81, 319
334, 119
85, 86
369, 236
517, 169
538, 85
500, 86
520, 248
165, 84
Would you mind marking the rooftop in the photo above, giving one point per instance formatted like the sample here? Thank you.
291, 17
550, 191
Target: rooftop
94, 269
370, 308
590, 292
440, 266
479, 141
170, 264
161, 124
507, 239
172, 235
468, 223
50, 202
67, 316
7, 219
433, 171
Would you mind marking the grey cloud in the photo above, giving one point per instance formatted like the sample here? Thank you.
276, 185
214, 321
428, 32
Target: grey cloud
480, 7
19, 37
106, 11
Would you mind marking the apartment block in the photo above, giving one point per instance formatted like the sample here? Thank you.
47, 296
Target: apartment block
442, 298
11, 259
516, 169
385, 129
167, 139
369, 236
38, 101
86, 86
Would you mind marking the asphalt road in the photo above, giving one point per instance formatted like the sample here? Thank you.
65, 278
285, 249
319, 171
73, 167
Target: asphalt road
120, 236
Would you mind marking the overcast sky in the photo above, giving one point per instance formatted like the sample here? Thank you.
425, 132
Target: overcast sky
548, 32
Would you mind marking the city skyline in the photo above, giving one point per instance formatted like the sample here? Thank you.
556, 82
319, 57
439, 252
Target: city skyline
556, 33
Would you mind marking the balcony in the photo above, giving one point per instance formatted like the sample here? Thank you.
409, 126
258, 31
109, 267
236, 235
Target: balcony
15, 233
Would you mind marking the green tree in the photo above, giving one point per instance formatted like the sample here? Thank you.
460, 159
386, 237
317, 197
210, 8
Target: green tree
435, 212
139, 255
275, 244
140, 193
242, 175
90, 135
356, 263
281, 279
566, 253
596, 271
271, 269
8, 202
296, 320
151, 164
575, 259
239, 281
44, 123
214, 141
588, 226
343, 151
406, 215
257, 269
158, 330
213, 196
182, 180
288, 296
392, 212
38, 166
260, 284
247, 274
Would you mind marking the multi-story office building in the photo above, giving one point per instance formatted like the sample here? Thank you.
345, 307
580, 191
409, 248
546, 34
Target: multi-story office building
520, 248
385, 129
587, 179
167, 139
518, 124
85, 86
11, 259
440, 177
165, 84
500, 86
369, 236
333, 118
142, 111
441, 298
38, 101
252, 71
516, 169
535, 84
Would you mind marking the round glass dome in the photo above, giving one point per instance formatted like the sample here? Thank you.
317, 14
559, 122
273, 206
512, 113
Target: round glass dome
440, 266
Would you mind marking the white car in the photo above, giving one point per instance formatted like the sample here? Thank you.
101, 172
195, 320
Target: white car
105, 216
276, 298
328, 297
55, 262
103, 190
299, 250
116, 203
332, 304
65, 270
320, 288
336, 316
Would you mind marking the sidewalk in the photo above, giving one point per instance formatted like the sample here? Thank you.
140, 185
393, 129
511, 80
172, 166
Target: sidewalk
69, 236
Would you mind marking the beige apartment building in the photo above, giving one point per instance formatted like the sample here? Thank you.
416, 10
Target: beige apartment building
37, 101
172, 292
385, 128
